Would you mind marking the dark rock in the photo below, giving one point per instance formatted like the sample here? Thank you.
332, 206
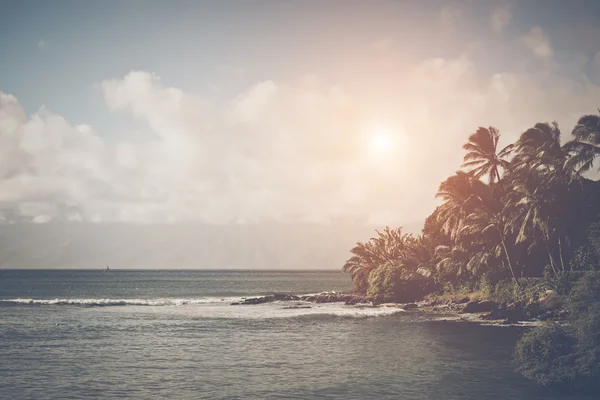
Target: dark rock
512, 313
346, 298
268, 299
410, 306
237, 303
480, 306
463, 300
295, 307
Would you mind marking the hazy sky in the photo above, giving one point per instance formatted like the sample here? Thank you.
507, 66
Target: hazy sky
143, 111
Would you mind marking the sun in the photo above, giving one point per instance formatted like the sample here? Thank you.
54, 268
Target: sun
385, 141
381, 142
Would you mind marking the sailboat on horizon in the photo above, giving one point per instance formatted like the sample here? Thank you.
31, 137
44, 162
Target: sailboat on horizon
107, 269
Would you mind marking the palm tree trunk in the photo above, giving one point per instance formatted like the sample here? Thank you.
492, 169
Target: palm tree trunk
508, 261
562, 263
551, 259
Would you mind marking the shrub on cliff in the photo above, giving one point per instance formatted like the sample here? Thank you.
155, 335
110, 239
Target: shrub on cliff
546, 355
567, 355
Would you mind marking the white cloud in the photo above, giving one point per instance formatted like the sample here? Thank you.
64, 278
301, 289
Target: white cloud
501, 17
275, 150
537, 41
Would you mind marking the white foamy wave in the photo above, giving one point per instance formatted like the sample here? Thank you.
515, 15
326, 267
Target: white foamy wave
353, 311
274, 311
123, 302
217, 307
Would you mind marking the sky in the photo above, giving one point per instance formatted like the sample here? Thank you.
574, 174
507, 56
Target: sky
152, 112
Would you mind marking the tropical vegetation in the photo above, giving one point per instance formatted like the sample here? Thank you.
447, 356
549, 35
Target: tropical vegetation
529, 210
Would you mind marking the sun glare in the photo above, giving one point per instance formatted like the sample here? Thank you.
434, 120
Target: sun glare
384, 141
381, 142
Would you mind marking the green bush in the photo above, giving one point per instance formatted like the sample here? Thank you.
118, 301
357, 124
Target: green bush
567, 355
546, 355
526, 292
392, 282
585, 258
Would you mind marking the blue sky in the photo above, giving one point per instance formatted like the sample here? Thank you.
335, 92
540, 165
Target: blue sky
274, 100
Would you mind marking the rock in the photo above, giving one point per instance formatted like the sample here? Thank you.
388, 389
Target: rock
511, 313
464, 300
346, 298
295, 307
410, 306
268, 299
550, 300
480, 306
354, 300
237, 303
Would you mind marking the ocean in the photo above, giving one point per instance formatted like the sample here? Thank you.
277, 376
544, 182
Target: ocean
67, 334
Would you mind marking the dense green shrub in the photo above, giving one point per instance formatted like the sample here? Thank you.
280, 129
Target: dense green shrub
570, 354
585, 258
391, 282
546, 355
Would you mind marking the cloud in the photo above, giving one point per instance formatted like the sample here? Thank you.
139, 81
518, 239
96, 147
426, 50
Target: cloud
537, 41
283, 150
501, 17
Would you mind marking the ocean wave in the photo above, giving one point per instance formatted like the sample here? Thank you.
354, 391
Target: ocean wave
220, 308
348, 312
120, 302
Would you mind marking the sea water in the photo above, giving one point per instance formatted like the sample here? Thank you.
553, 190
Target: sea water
174, 335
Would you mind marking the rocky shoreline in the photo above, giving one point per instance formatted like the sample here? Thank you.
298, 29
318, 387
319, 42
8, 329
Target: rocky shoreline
548, 308
325, 297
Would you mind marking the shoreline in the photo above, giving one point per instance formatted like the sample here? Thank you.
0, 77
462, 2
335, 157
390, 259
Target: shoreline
446, 308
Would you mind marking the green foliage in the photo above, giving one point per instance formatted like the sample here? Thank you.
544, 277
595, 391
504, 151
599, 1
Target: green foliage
585, 294
567, 355
392, 282
385, 282
546, 355
508, 229
585, 258
512, 213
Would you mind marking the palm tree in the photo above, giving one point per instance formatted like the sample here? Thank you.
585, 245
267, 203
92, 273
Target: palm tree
389, 245
482, 158
492, 228
460, 193
452, 261
543, 190
539, 149
585, 148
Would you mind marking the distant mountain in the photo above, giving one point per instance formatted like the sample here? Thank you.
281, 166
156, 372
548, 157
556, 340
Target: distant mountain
203, 246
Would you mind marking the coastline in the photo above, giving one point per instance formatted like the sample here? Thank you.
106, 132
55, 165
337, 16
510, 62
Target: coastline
444, 308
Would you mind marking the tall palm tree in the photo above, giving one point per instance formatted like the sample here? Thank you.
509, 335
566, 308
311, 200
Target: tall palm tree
539, 149
585, 148
492, 228
460, 194
483, 158
544, 191
389, 245
529, 208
